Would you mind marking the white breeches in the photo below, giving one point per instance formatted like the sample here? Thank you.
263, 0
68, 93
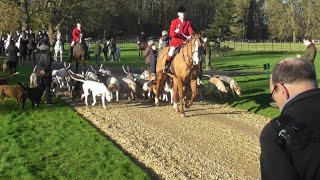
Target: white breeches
171, 51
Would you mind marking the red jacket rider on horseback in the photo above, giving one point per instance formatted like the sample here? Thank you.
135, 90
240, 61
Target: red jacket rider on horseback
75, 37
180, 31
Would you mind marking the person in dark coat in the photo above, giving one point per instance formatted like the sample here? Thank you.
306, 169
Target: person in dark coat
12, 60
24, 40
43, 59
112, 48
105, 49
97, 52
311, 51
288, 149
153, 58
207, 53
147, 54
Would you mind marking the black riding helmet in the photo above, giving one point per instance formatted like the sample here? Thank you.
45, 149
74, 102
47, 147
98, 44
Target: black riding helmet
182, 9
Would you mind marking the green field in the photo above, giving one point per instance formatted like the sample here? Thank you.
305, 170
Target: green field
258, 46
56, 142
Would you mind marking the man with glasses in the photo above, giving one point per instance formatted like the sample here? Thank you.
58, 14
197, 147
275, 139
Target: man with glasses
290, 143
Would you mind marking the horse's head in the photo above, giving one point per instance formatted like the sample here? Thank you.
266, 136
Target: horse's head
195, 44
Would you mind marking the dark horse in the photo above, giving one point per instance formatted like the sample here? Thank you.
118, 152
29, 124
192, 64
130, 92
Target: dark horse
185, 68
142, 46
142, 43
79, 53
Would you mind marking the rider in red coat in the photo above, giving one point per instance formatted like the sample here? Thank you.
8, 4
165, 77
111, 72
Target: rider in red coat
180, 31
75, 37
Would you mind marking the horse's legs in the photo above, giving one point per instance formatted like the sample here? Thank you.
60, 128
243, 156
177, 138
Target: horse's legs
175, 95
181, 96
193, 85
83, 61
159, 85
156, 88
61, 55
77, 64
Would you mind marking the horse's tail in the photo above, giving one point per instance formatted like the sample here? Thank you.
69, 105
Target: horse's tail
171, 75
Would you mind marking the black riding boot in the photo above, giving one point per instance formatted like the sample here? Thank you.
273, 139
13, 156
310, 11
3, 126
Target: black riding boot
70, 53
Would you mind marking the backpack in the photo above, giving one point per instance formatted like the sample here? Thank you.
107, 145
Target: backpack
297, 140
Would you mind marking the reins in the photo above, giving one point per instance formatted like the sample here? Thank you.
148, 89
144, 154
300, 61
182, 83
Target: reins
188, 57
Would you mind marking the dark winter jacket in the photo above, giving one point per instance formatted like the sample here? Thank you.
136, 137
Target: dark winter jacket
280, 161
310, 53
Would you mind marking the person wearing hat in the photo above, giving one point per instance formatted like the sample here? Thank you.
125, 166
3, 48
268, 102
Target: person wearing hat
164, 40
180, 31
75, 37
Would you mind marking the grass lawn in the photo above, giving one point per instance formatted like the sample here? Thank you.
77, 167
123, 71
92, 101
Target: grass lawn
255, 88
56, 142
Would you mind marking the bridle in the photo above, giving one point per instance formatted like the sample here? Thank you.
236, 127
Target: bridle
189, 58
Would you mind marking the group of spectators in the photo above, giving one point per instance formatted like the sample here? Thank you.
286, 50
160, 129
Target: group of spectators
109, 48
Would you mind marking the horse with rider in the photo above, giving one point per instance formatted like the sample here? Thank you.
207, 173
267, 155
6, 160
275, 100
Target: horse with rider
142, 43
78, 47
180, 61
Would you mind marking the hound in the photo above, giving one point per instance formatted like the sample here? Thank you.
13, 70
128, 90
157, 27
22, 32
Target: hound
216, 83
234, 87
97, 89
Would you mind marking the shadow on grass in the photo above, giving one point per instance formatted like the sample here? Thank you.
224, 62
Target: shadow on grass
151, 173
254, 80
261, 101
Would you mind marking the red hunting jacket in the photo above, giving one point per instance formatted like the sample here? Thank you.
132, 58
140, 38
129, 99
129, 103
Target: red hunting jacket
75, 34
185, 28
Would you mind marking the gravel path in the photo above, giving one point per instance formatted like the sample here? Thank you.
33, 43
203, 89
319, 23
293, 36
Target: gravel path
211, 142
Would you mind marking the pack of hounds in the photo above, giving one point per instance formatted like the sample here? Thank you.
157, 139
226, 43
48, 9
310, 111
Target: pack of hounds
106, 85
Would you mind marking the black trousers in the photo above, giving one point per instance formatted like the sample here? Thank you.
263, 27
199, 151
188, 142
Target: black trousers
12, 66
45, 81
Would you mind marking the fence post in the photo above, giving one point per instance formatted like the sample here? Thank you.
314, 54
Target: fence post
290, 46
281, 45
248, 45
272, 46
241, 45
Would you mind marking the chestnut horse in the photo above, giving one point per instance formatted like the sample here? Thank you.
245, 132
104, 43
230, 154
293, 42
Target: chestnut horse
184, 68
79, 53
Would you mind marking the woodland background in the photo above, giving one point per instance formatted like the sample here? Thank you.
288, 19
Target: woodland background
287, 20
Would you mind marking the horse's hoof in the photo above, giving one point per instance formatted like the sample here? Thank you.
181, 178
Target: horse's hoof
187, 105
182, 115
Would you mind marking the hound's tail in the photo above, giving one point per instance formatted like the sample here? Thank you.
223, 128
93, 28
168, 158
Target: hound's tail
12, 75
24, 87
74, 78
34, 69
